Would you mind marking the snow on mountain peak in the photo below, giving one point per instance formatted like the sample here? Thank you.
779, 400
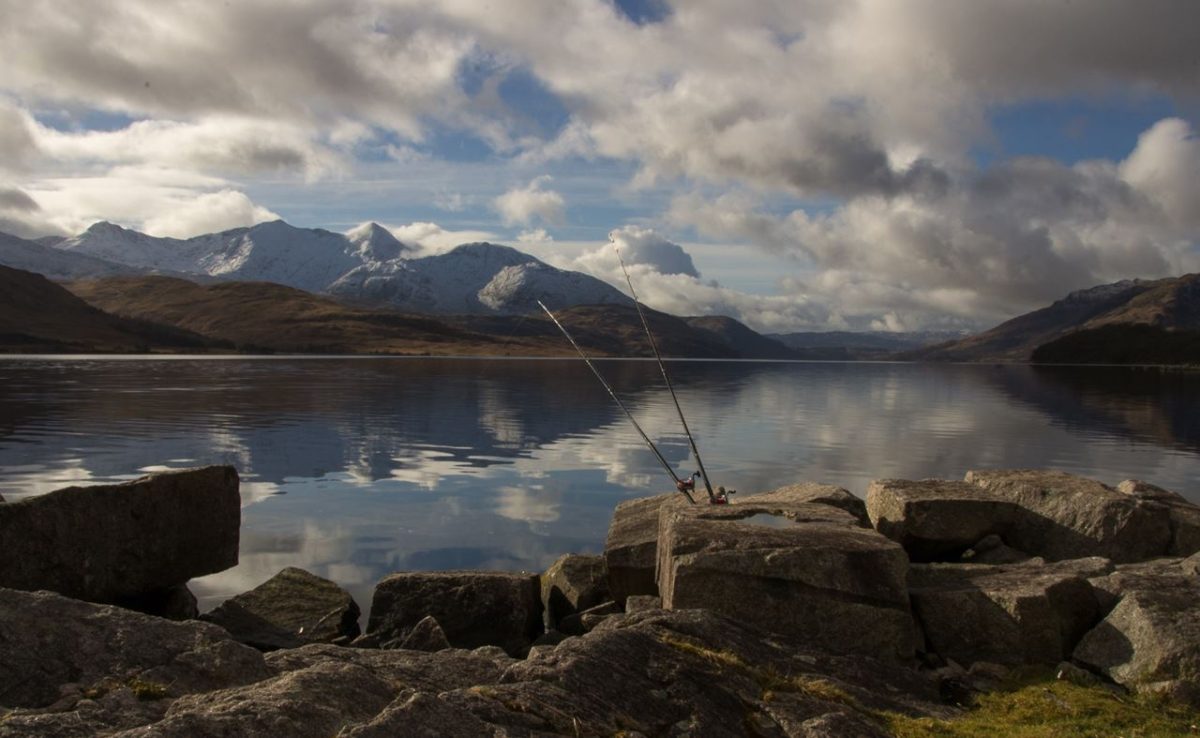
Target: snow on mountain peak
376, 243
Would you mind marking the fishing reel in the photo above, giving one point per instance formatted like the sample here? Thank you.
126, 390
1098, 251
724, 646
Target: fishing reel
721, 496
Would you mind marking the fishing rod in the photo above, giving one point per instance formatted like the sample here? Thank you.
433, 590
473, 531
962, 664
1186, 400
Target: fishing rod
667, 378
680, 484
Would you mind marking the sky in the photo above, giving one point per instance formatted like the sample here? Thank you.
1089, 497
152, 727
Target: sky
800, 165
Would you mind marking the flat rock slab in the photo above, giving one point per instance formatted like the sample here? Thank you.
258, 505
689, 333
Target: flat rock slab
631, 549
814, 574
288, 610
113, 541
473, 608
572, 584
1185, 517
1032, 613
1069, 517
1150, 642
935, 519
47, 640
806, 492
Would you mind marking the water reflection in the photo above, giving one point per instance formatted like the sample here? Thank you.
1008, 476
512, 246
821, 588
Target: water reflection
355, 468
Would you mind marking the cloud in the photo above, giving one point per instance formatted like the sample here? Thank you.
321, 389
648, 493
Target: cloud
996, 242
208, 213
17, 145
638, 247
433, 238
522, 205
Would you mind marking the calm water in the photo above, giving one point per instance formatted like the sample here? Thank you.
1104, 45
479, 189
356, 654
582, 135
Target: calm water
354, 468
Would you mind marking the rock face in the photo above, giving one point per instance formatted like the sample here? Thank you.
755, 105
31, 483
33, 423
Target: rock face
47, 640
935, 519
1150, 642
814, 575
426, 635
1017, 614
630, 551
108, 542
288, 610
473, 608
572, 584
1066, 517
1184, 516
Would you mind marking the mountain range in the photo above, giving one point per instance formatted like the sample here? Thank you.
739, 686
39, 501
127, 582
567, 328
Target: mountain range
366, 266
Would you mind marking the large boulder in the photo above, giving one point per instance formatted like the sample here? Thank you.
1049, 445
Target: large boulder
935, 519
806, 492
47, 641
572, 584
288, 610
1067, 517
473, 608
117, 541
812, 573
631, 549
1150, 642
1184, 516
1030, 613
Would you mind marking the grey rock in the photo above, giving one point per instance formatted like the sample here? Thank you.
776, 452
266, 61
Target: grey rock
47, 640
551, 638
422, 715
936, 519
631, 548
992, 550
1191, 565
1017, 614
582, 622
473, 608
1110, 586
426, 635
823, 579
112, 541
572, 584
641, 603
288, 610
1068, 672
1150, 642
367, 640
1184, 516
429, 672
805, 492
1069, 517
318, 701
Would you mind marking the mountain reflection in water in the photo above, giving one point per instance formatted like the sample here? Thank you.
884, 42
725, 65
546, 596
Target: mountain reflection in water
354, 468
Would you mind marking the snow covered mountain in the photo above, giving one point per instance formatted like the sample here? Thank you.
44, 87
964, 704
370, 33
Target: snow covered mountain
53, 263
367, 265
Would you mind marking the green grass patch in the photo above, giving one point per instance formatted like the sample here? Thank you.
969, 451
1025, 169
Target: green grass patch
147, 691
1046, 708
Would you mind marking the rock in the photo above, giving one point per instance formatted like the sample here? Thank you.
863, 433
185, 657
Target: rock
572, 584
288, 610
935, 519
172, 603
473, 608
1150, 642
47, 640
367, 640
630, 551
582, 622
991, 550
641, 603
1110, 586
318, 701
1191, 565
113, 541
1069, 517
1184, 516
824, 580
429, 672
551, 638
426, 635
421, 715
1068, 672
812, 492
1012, 615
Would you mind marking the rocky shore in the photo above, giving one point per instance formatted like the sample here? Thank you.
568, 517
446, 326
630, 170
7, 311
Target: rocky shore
804, 611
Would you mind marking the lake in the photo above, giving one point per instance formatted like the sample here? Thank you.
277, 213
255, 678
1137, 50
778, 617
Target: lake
355, 468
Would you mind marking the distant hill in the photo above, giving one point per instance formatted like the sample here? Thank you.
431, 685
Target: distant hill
1132, 321
260, 316
858, 345
740, 338
32, 256
37, 315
